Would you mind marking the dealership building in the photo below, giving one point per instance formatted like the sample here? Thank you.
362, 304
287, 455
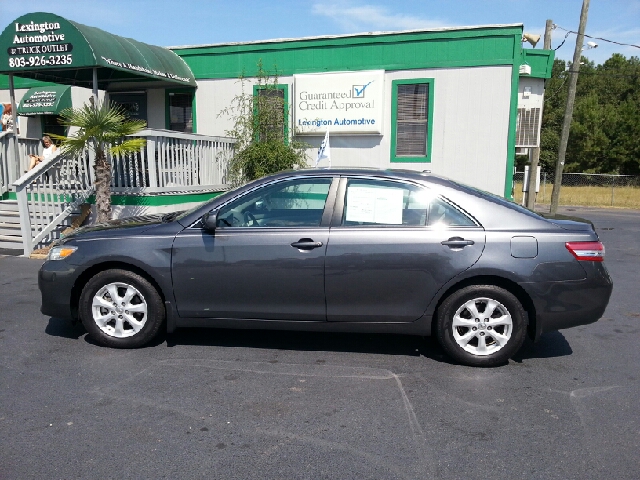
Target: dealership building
456, 102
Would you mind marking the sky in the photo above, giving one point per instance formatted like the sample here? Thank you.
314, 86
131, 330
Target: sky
202, 22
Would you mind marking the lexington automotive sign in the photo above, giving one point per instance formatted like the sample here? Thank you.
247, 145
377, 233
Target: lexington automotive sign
339, 102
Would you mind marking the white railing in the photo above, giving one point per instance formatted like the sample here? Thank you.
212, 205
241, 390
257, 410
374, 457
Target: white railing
170, 162
173, 159
48, 194
10, 170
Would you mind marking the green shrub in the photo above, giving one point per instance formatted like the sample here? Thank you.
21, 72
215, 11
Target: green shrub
264, 158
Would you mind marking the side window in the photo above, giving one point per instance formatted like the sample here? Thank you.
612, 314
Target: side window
378, 202
287, 204
441, 213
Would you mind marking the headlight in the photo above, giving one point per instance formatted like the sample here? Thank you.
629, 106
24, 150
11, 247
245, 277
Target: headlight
60, 252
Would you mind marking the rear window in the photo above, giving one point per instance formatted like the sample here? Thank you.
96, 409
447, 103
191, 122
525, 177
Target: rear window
496, 199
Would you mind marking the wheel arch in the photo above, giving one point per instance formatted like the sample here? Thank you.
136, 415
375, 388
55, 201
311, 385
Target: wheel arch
93, 270
509, 285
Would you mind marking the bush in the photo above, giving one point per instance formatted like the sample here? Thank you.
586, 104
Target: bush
264, 158
265, 144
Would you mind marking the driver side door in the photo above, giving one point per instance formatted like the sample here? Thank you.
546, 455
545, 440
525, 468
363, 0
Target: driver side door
265, 259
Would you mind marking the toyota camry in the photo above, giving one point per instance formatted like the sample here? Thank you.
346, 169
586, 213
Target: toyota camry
336, 250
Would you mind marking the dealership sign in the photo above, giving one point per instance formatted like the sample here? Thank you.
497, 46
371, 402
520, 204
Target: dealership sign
339, 102
51, 48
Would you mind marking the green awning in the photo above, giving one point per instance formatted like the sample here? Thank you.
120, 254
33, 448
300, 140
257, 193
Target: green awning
47, 47
45, 100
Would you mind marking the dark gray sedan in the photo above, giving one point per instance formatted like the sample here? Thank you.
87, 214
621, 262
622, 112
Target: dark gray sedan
336, 250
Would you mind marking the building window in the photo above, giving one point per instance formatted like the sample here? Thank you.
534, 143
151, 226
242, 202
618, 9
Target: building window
51, 124
271, 107
181, 111
411, 120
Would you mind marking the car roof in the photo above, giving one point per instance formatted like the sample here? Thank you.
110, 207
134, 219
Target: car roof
423, 176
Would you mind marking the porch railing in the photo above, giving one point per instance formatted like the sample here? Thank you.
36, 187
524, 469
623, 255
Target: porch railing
49, 193
10, 171
173, 159
169, 162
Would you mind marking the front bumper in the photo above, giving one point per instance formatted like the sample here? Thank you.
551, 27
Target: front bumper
55, 281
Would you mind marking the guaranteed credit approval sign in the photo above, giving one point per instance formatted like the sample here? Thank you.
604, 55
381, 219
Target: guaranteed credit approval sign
340, 102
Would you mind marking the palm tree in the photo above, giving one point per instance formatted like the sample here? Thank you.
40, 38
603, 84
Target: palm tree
101, 128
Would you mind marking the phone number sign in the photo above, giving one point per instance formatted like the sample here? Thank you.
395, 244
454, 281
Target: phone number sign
39, 45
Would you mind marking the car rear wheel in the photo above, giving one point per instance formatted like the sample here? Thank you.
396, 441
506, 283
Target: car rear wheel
481, 325
121, 309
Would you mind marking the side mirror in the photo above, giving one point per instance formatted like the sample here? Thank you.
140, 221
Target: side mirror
210, 220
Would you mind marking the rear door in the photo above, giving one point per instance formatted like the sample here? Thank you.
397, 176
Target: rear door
392, 245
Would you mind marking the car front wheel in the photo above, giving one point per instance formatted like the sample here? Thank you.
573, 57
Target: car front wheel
481, 325
121, 309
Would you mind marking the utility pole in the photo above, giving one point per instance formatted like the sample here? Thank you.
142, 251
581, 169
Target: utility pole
568, 113
535, 152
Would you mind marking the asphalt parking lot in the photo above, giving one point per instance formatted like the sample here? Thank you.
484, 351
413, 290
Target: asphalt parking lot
274, 405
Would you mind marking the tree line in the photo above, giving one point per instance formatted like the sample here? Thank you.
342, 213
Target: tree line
605, 129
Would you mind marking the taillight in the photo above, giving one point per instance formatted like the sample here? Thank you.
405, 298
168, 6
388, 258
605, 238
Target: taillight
589, 251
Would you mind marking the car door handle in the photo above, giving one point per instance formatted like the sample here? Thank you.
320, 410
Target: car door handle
306, 244
457, 242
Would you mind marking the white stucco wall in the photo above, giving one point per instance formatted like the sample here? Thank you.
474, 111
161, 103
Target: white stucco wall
156, 108
470, 124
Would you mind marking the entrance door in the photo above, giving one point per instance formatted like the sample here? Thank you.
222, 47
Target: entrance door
135, 104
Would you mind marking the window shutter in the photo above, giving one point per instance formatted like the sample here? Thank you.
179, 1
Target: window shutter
411, 127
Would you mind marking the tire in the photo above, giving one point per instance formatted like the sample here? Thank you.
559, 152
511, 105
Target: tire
497, 336
133, 321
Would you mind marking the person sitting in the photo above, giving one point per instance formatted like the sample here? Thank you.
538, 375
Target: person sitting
47, 153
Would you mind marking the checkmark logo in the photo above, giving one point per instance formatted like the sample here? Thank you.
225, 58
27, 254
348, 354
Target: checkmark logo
358, 90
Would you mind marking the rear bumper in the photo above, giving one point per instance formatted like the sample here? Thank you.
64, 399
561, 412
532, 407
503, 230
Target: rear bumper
571, 303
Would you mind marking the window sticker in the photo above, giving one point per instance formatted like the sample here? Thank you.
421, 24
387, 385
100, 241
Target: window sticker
374, 205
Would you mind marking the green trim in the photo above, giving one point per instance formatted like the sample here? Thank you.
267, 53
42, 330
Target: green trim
400, 51
159, 200
167, 110
144, 200
285, 88
194, 114
540, 61
394, 114
49, 197
513, 122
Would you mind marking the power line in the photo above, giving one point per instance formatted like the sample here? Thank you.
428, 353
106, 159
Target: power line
604, 74
589, 36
